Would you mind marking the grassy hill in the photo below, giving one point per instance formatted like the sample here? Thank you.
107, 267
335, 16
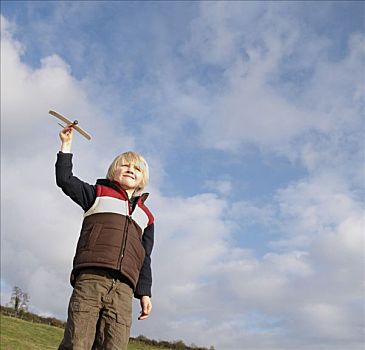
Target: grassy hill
18, 334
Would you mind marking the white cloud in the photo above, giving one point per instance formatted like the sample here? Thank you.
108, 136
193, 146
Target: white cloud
224, 187
318, 205
312, 291
253, 100
216, 34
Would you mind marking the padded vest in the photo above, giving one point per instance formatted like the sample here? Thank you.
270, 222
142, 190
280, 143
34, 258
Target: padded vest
111, 234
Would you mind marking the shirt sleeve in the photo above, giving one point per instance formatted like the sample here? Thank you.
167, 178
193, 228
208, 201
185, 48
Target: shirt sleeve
79, 191
145, 277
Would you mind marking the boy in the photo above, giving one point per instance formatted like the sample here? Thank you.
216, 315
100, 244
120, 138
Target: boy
113, 254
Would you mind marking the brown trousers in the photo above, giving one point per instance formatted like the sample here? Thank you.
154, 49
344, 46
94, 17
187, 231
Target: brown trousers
99, 313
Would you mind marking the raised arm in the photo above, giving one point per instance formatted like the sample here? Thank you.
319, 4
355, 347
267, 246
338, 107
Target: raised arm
79, 191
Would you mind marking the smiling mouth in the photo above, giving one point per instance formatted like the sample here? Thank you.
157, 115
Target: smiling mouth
129, 176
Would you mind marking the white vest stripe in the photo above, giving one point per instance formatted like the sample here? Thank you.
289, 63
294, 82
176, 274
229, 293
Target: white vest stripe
140, 217
106, 204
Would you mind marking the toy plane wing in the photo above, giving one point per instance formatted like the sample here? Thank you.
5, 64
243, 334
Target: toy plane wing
74, 123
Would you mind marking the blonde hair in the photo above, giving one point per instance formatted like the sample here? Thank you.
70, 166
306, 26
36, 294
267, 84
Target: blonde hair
130, 158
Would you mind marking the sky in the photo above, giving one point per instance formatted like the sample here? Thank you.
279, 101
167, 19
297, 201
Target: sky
251, 117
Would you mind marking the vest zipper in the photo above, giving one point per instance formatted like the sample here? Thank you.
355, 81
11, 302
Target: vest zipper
127, 222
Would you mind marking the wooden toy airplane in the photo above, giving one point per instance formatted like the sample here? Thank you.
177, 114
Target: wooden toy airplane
74, 124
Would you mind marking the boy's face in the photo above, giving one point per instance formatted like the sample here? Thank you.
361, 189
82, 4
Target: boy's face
129, 176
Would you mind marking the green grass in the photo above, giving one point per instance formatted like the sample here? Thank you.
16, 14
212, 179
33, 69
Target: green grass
16, 334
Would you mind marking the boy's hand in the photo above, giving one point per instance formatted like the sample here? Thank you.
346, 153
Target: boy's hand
146, 307
66, 137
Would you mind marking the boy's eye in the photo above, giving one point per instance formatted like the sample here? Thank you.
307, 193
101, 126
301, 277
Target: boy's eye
136, 167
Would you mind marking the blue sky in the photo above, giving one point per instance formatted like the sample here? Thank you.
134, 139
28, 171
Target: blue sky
251, 117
